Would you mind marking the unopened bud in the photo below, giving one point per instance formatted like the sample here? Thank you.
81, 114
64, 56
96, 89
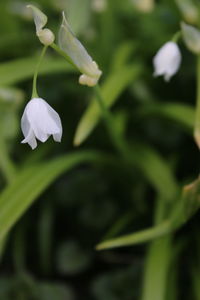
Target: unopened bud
46, 36
191, 36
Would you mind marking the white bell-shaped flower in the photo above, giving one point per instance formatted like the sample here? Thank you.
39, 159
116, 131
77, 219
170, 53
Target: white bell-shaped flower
39, 121
78, 55
167, 60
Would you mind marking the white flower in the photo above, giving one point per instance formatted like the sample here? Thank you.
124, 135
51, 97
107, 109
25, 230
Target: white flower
167, 60
39, 121
79, 56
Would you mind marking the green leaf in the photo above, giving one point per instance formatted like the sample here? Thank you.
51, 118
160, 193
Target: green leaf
21, 69
31, 182
156, 170
116, 83
181, 113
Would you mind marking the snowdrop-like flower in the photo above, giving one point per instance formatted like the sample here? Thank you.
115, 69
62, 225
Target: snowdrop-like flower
45, 35
39, 121
79, 56
144, 6
167, 60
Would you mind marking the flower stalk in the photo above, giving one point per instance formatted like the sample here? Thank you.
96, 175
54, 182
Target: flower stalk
34, 91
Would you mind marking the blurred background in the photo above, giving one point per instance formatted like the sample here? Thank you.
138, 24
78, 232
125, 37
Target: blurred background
50, 252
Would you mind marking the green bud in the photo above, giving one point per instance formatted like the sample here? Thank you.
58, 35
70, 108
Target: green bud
191, 36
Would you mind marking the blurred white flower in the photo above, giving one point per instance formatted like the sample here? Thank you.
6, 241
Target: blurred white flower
167, 60
39, 121
79, 56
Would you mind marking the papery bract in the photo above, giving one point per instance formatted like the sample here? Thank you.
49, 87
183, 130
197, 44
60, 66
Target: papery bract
167, 60
39, 121
78, 54
45, 35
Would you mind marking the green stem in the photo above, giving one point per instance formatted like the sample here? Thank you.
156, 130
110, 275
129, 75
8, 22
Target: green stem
116, 137
34, 91
197, 114
6, 164
158, 260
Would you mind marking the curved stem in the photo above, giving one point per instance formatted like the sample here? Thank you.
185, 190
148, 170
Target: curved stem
34, 91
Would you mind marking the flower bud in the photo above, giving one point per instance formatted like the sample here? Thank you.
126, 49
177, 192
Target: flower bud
191, 36
167, 60
78, 54
46, 36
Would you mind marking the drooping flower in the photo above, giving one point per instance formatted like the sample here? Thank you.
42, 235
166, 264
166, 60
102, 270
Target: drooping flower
167, 60
79, 56
39, 121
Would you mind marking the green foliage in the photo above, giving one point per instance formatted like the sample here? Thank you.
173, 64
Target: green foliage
57, 202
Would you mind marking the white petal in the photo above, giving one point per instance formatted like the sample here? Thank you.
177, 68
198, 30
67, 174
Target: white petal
25, 124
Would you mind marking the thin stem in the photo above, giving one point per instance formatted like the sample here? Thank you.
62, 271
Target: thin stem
34, 92
6, 164
116, 137
197, 116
